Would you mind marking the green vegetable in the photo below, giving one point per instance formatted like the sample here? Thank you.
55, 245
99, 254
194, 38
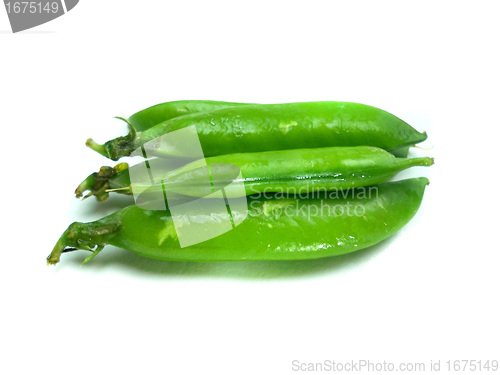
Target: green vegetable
268, 127
275, 229
299, 171
151, 116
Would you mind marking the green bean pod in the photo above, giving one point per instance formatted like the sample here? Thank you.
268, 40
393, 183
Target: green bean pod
290, 172
151, 116
273, 229
269, 127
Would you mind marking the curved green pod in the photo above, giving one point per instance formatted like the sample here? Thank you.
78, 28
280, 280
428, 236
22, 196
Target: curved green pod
269, 127
274, 229
151, 116
290, 172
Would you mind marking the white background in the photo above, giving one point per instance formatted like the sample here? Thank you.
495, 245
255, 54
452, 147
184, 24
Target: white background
429, 293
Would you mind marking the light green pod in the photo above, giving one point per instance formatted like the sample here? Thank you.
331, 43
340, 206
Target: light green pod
151, 116
269, 127
290, 172
271, 229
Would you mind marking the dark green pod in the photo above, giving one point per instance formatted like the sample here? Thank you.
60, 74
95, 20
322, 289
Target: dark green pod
269, 127
290, 172
274, 229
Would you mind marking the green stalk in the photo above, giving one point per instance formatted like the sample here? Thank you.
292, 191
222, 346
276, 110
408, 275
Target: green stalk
86, 236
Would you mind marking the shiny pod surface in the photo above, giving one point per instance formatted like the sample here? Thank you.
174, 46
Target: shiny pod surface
290, 172
268, 127
273, 229
151, 116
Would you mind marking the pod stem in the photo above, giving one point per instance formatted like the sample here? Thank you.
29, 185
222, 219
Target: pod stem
98, 183
61, 244
118, 147
87, 185
86, 236
101, 149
